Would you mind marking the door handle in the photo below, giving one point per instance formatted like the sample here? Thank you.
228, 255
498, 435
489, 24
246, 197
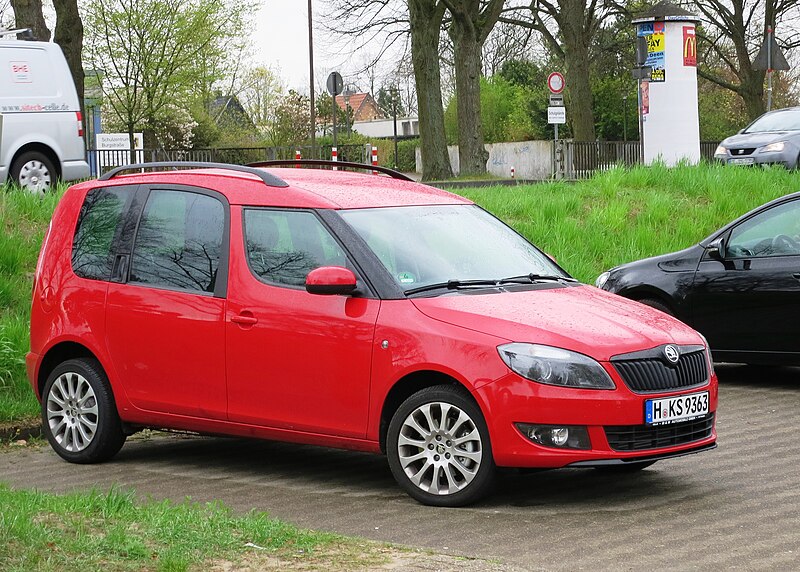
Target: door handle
796, 276
244, 319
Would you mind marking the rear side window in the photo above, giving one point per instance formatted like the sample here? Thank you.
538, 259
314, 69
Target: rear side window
98, 223
284, 246
179, 241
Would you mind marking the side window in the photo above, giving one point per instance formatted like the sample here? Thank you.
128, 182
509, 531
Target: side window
98, 223
179, 241
284, 246
775, 232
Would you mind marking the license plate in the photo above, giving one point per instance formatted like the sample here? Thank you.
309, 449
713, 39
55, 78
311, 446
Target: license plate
675, 409
741, 161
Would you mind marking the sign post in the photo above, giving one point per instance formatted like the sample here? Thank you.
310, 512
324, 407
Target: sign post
556, 115
334, 85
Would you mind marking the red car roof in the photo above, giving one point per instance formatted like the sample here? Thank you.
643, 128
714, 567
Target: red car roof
308, 188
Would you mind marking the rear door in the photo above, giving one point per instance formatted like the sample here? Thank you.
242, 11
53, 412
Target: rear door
165, 312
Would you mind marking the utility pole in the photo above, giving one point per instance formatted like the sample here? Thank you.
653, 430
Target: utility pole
311, 82
394, 124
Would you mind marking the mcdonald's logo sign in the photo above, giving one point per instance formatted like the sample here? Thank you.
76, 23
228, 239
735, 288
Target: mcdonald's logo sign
689, 46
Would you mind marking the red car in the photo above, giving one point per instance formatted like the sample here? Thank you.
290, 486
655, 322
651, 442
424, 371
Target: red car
347, 310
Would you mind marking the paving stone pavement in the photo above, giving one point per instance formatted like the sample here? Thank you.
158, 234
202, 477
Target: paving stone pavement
734, 508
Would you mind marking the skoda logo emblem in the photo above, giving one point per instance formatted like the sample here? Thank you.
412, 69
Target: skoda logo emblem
671, 353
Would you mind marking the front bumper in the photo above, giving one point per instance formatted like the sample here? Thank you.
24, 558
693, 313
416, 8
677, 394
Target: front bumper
513, 399
786, 158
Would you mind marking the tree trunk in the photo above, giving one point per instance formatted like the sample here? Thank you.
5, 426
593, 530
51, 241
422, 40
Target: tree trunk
575, 42
467, 48
426, 19
69, 35
751, 90
28, 14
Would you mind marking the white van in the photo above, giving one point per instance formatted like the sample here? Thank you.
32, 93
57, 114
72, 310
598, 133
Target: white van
41, 129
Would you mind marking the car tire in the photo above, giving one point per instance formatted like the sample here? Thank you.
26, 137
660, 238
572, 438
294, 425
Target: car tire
79, 415
34, 172
624, 469
438, 447
658, 305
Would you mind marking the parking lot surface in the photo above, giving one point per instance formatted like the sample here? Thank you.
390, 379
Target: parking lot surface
737, 507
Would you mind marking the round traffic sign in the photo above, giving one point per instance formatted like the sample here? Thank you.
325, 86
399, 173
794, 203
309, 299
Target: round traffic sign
555, 82
335, 83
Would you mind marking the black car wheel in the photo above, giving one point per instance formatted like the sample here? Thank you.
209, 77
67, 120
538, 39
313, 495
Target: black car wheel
34, 172
438, 447
79, 415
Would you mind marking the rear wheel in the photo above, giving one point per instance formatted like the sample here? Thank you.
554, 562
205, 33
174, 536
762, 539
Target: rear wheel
79, 415
34, 172
438, 447
657, 304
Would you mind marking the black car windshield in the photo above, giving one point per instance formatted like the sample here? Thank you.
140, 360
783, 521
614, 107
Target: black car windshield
784, 120
422, 246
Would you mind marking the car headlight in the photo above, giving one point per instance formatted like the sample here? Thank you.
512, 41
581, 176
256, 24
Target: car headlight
602, 279
555, 366
773, 147
721, 150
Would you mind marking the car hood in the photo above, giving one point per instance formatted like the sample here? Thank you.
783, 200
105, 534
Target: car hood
581, 318
757, 139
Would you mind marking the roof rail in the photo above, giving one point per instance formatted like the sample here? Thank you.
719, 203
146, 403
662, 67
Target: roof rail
325, 163
269, 179
26, 33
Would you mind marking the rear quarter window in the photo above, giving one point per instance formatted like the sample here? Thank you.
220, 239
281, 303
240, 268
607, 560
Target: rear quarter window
98, 223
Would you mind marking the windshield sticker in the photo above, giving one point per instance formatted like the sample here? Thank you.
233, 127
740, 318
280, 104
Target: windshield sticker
406, 278
21, 72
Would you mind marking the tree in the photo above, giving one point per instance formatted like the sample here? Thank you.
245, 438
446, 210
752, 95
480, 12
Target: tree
291, 120
472, 21
730, 37
69, 35
576, 24
324, 106
29, 14
389, 101
152, 54
259, 91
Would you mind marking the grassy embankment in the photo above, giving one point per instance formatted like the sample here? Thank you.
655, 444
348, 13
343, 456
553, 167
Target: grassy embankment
618, 216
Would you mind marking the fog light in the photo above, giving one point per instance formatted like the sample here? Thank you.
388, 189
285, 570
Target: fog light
559, 436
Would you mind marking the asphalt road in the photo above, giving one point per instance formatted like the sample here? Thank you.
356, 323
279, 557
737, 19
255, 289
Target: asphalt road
737, 507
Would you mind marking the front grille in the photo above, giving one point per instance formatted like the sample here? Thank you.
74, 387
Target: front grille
742, 152
654, 373
644, 437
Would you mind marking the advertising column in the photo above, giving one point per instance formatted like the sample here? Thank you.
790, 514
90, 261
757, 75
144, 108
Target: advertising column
668, 106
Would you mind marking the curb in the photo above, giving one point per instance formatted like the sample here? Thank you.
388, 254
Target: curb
23, 431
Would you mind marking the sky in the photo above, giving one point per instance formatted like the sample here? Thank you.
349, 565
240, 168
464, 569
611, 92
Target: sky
280, 42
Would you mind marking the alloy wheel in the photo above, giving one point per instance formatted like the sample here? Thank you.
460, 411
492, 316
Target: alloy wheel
72, 412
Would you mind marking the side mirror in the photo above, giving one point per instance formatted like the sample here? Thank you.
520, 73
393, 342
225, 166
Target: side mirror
331, 280
716, 249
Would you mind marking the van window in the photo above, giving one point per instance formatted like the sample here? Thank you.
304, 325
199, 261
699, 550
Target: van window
284, 246
179, 241
98, 223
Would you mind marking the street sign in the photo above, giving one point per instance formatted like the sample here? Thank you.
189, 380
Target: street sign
557, 99
555, 82
335, 83
556, 115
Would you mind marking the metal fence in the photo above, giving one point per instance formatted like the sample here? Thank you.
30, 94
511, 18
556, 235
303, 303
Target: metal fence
580, 159
102, 160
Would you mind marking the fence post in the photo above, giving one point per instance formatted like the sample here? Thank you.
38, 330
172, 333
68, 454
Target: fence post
374, 159
334, 157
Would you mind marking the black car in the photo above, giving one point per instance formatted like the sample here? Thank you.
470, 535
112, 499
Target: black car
740, 287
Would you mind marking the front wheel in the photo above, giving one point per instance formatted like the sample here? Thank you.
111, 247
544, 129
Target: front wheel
79, 415
438, 447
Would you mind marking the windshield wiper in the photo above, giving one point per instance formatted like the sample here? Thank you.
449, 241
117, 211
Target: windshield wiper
456, 284
533, 277
450, 285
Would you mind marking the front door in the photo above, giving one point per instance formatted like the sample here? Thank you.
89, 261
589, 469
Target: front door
295, 360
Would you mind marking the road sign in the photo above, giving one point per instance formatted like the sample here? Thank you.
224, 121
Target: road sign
555, 82
557, 99
335, 83
557, 115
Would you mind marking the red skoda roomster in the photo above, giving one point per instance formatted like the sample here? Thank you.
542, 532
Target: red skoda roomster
347, 310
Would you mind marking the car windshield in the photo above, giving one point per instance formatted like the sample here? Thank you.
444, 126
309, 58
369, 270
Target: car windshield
450, 246
785, 120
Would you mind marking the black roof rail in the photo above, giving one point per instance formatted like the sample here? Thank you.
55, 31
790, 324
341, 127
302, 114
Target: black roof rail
269, 179
24, 33
325, 163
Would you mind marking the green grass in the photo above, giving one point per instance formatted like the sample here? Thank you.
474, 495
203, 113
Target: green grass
110, 531
589, 226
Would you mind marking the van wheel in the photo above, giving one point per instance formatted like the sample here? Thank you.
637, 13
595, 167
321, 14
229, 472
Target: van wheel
33, 172
438, 448
79, 415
